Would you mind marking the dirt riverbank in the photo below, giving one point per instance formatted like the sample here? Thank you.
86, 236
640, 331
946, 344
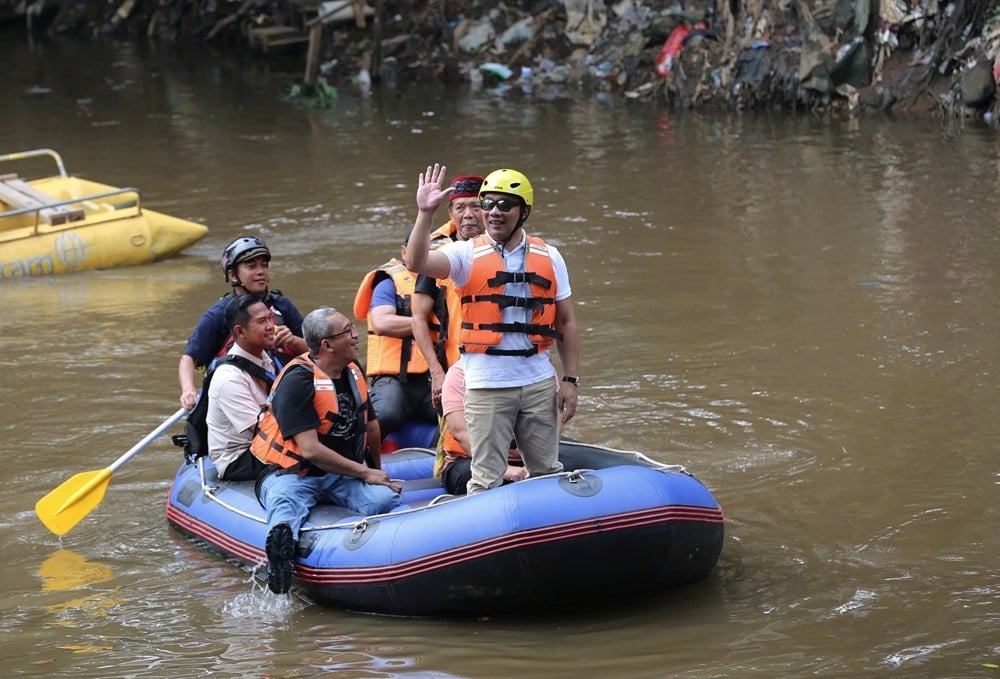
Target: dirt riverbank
856, 57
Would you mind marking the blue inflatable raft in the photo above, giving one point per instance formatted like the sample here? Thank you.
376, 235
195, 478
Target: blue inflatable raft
612, 525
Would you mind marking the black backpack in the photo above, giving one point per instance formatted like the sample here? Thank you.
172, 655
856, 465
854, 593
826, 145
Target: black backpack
194, 440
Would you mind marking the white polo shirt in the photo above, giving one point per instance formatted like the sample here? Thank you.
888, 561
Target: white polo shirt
234, 402
485, 371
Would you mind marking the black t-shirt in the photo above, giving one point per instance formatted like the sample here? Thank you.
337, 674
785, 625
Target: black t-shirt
429, 286
426, 285
294, 410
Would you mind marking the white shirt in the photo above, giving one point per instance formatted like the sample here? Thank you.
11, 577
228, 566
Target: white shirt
234, 402
485, 371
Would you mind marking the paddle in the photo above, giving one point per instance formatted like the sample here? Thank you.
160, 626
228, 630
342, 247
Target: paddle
65, 506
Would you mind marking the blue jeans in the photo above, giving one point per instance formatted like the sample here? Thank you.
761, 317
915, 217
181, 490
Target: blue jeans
289, 497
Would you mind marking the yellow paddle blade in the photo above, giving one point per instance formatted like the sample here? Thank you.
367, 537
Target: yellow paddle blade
65, 506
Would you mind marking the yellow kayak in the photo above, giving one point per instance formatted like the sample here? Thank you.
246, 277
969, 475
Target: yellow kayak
61, 223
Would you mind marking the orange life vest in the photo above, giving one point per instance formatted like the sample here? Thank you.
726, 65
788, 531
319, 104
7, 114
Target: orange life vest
442, 234
449, 443
389, 355
270, 447
484, 299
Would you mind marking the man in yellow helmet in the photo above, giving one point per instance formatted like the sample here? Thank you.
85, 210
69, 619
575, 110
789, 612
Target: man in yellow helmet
516, 303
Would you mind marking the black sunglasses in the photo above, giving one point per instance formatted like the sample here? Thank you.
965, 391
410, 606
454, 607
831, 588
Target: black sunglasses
505, 204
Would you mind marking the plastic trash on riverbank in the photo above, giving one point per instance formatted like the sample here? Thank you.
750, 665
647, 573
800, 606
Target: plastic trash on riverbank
337, 11
674, 44
499, 70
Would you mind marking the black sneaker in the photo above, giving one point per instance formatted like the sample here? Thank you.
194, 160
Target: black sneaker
280, 549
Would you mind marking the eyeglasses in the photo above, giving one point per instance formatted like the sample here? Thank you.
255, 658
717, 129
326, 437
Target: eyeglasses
353, 329
505, 204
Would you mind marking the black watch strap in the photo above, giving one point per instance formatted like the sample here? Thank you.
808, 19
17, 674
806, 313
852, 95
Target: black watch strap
571, 380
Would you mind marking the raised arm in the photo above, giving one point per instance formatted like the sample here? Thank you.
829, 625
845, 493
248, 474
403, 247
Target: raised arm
430, 194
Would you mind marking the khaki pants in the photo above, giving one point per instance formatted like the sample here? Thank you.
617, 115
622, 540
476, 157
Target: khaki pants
530, 414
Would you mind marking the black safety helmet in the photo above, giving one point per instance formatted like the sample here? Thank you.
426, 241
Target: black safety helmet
242, 249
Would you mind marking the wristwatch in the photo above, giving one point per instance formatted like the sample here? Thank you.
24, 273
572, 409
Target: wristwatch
571, 380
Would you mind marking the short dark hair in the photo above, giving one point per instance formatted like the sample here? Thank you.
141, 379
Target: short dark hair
237, 309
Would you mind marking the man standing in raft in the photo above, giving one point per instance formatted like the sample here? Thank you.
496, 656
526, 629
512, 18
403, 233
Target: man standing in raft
516, 302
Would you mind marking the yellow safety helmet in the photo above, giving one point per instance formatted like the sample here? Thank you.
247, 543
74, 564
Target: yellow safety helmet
508, 181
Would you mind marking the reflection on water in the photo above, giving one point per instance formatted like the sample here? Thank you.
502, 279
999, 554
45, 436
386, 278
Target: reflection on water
65, 569
801, 312
112, 293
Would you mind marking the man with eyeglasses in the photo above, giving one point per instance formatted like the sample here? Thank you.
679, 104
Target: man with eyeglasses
516, 303
320, 441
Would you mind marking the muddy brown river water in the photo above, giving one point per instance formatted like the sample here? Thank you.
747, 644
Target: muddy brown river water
802, 312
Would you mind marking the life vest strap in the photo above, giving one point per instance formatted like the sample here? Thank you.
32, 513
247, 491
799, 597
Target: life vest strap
302, 467
506, 352
512, 352
526, 328
506, 301
504, 277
